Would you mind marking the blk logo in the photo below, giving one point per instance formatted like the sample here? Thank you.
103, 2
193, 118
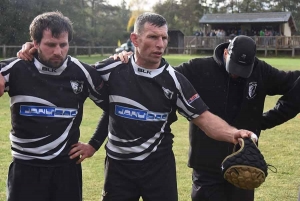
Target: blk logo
51, 70
144, 71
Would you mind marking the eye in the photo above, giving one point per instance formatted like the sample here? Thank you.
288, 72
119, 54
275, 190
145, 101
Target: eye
63, 45
51, 44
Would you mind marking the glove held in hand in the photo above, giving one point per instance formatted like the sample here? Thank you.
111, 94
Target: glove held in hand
245, 168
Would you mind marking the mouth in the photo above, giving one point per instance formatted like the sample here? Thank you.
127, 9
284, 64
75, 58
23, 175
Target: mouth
56, 59
158, 54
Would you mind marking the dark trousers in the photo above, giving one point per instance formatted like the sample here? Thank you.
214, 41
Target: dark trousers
222, 191
153, 180
35, 183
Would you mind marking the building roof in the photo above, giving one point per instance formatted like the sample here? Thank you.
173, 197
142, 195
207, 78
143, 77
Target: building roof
266, 17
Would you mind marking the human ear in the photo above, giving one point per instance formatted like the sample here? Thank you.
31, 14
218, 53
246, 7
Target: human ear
134, 39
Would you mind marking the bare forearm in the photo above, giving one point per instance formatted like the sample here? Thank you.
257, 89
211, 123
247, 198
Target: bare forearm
215, 127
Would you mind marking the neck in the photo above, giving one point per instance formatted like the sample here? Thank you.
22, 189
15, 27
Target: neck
145, 64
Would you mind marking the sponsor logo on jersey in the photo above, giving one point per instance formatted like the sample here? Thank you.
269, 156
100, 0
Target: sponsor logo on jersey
141, 70
50, 70
142, 115
77, 86
46, 111
252, 90
168, 93
193, 98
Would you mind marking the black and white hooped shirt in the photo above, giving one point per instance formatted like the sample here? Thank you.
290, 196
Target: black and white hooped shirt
46, 106
142, 106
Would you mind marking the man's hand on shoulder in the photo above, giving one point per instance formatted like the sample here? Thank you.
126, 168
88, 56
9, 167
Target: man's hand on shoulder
27, 51
123, 56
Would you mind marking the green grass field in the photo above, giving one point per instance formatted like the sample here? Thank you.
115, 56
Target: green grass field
280, 147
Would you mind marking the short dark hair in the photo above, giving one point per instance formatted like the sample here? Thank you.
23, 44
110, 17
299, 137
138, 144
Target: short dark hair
56, 22
152, 18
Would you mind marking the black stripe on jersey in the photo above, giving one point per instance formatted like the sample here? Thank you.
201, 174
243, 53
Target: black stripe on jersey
132, 155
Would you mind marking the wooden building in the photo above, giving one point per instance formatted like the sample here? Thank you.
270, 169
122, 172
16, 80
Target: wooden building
278, 23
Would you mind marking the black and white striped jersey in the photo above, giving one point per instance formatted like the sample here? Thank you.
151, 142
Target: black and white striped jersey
142, 106
46, 106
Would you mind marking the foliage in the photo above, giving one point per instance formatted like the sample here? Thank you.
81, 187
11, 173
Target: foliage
98, 23
279, 146
95, 21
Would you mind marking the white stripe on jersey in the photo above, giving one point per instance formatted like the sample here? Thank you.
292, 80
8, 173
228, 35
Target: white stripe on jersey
121, 99
135, 149
42, 149
110, 66
179, 102
27, 157
22, 140
21, 98
138, 158
3, 69
6, 77
115, 138
105, 77
145, 155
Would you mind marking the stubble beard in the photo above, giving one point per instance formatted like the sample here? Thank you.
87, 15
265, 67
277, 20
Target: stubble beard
48, 62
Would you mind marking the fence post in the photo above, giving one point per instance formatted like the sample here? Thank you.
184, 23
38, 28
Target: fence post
266, 51
4, 51
102, 51
75, 51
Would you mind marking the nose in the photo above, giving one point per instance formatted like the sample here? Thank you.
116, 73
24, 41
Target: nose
160, 42
57, 50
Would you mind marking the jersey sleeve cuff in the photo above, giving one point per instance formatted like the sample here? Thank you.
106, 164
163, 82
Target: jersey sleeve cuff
95, 144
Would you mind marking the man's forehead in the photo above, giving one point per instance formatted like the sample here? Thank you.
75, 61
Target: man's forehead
148, 27
47, 34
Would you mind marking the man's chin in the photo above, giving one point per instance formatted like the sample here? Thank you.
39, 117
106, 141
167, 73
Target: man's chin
55, 64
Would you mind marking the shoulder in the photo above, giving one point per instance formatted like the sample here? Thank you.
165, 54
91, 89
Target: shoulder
178, 77
82, 68
107, 64
196, 66
10, 63
263, 66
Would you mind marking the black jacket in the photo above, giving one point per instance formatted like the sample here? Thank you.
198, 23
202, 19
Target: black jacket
240, 102
287, 107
